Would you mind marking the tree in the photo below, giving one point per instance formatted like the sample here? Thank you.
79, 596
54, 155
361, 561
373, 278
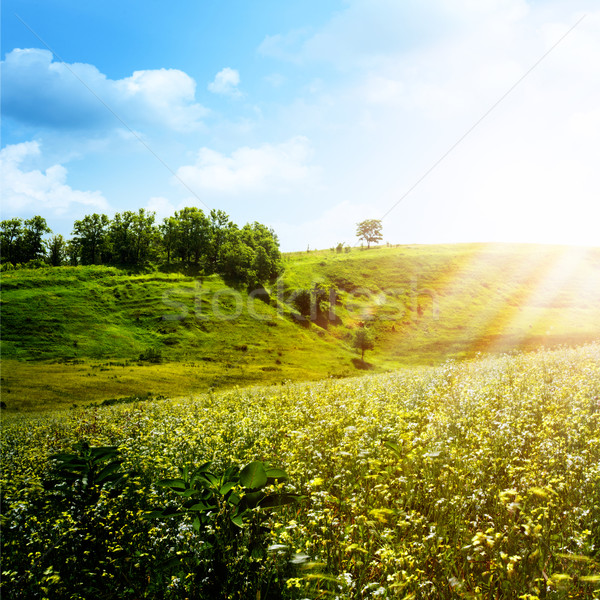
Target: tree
220, 229
369, 230
57, 250
267, 257
192, 234
33, 231
11, 236
121, 238
363, 340
22, 240
90, 239
235, 262
168, 232
249, 256
132, 237
145, 236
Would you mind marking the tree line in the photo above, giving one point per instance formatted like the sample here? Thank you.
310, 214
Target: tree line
212, 243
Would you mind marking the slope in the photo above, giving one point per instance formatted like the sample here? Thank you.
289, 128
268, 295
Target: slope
93, 333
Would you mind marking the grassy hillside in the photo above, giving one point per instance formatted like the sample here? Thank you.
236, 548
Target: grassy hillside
92, 333
430, 302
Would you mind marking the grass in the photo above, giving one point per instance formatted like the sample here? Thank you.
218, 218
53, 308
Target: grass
74, 335
472, 479
428, 303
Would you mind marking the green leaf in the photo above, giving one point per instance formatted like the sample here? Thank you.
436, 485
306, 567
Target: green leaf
170, 563
62, 457
203, 468
171, 511
214, 481
251, 499
225, 489
273, 473
196, 524
165, 512
231, 473
199, 507
155, 514
190, 492
101, 453
234, 499
238, 519
175, 484
253, 475
108, 470
392, 446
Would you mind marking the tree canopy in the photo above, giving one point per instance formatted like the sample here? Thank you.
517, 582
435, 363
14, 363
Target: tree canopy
363, 340
369, 230
247, 256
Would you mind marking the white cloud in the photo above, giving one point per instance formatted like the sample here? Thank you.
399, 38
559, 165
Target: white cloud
167, 95
226, 83
269, 167
42, 92
40, 191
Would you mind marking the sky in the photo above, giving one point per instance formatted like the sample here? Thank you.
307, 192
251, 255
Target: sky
449, 120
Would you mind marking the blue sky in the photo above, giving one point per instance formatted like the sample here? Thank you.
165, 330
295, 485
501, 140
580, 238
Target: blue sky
309, 116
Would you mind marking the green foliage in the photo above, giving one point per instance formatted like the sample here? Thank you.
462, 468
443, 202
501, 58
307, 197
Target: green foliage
90, 240
81, 476
22, 241
363, 340
228, 513
314, 304
192, 237
303, 302
250, 256
369, 231
133, 237
57, 250
247, 257
88, 493
152, 355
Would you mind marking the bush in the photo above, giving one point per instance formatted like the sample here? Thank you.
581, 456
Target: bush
152, 355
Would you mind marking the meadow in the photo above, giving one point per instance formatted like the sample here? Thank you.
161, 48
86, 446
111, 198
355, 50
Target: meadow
473, 479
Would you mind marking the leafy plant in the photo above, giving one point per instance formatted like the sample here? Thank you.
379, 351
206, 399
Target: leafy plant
228, 513
81, 476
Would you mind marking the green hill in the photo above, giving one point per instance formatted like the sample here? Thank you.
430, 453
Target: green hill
73, 334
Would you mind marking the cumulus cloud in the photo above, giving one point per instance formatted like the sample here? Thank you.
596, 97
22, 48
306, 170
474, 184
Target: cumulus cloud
41, 191
39, 91
226, 83
272, 167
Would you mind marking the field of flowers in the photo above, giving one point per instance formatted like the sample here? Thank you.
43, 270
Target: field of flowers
470, 480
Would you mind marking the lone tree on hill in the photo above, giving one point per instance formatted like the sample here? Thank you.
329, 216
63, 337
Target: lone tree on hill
369, 230
363, 340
